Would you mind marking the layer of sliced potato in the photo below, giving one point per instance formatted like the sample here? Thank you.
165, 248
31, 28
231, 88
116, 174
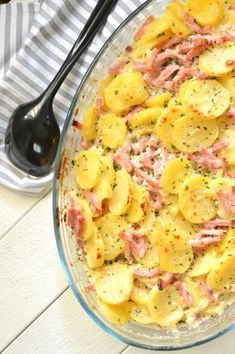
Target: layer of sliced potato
122, 193
145, 117
203, 263
140, 295
108, 169
139, 205
206, 98
160, 100
191, 133
115, 284
207, 13
109, 226
125, 91
195, 201
165, 306
150, 259
218, 60
103, 189
174, 173
222, 276
89, 123
114, 313
94, 250
228, 81
112, 130
200, 302
165, 125
87, 168
175, 254
140, 314
228, 242
174, 13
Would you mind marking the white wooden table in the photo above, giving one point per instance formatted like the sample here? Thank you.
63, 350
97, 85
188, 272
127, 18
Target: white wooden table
38, 311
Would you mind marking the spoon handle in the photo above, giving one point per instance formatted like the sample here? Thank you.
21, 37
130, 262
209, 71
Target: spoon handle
94, 23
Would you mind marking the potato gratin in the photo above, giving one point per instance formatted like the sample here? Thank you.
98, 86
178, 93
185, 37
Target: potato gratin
154, 208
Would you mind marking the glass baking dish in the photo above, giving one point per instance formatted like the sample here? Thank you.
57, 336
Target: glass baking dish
133, 334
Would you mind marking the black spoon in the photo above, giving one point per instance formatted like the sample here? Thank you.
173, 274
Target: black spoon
33, 134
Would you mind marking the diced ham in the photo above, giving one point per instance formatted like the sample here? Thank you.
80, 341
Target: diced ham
122, 158
117, 68
168, 279
145, 177
183, 74
132, 113
148, 66
218, 223
164, 75
84, 144
231, 114
206, 158
94, 203
154, 272
207, 291
156, 201
209, 232
205, 241
128, 253
89, 287
183, 292
163, 57
141, 30
189, 20
135, 244
140, 145
227, 201
147, 161
176, 39
75, 220
99, 104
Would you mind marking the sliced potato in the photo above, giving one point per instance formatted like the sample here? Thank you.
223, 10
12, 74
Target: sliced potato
200, 302
94, 251
112, 130
140, 314
139, 205
195, 201
222, 276
87, 169
114, 313
145, 117
175, 253
140, 295
109, 226
159, 100
108, 169
103, 190
174, 12
89, 226
218, 60
152, 227
165, 125
191, 133
203, 263
228, 81
125, 91
151, 259
176, 224
174, 173
122, 193
206, 98
165, 306
209, 13
88, 123
115, 284
228, 242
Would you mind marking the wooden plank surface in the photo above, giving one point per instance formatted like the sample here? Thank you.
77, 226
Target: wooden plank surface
31, 276
65, 328
13, 206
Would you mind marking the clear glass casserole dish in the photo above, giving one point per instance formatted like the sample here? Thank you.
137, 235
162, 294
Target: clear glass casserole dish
133, 334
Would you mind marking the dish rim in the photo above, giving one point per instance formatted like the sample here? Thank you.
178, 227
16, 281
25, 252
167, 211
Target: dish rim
91, 314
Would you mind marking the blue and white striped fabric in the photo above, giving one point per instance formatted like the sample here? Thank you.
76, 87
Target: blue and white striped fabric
36, 37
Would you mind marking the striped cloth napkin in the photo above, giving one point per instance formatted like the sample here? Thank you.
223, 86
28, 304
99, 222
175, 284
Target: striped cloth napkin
36, 37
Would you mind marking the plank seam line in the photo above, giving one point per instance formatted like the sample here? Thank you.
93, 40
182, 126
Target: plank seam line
22, 216
35, 319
